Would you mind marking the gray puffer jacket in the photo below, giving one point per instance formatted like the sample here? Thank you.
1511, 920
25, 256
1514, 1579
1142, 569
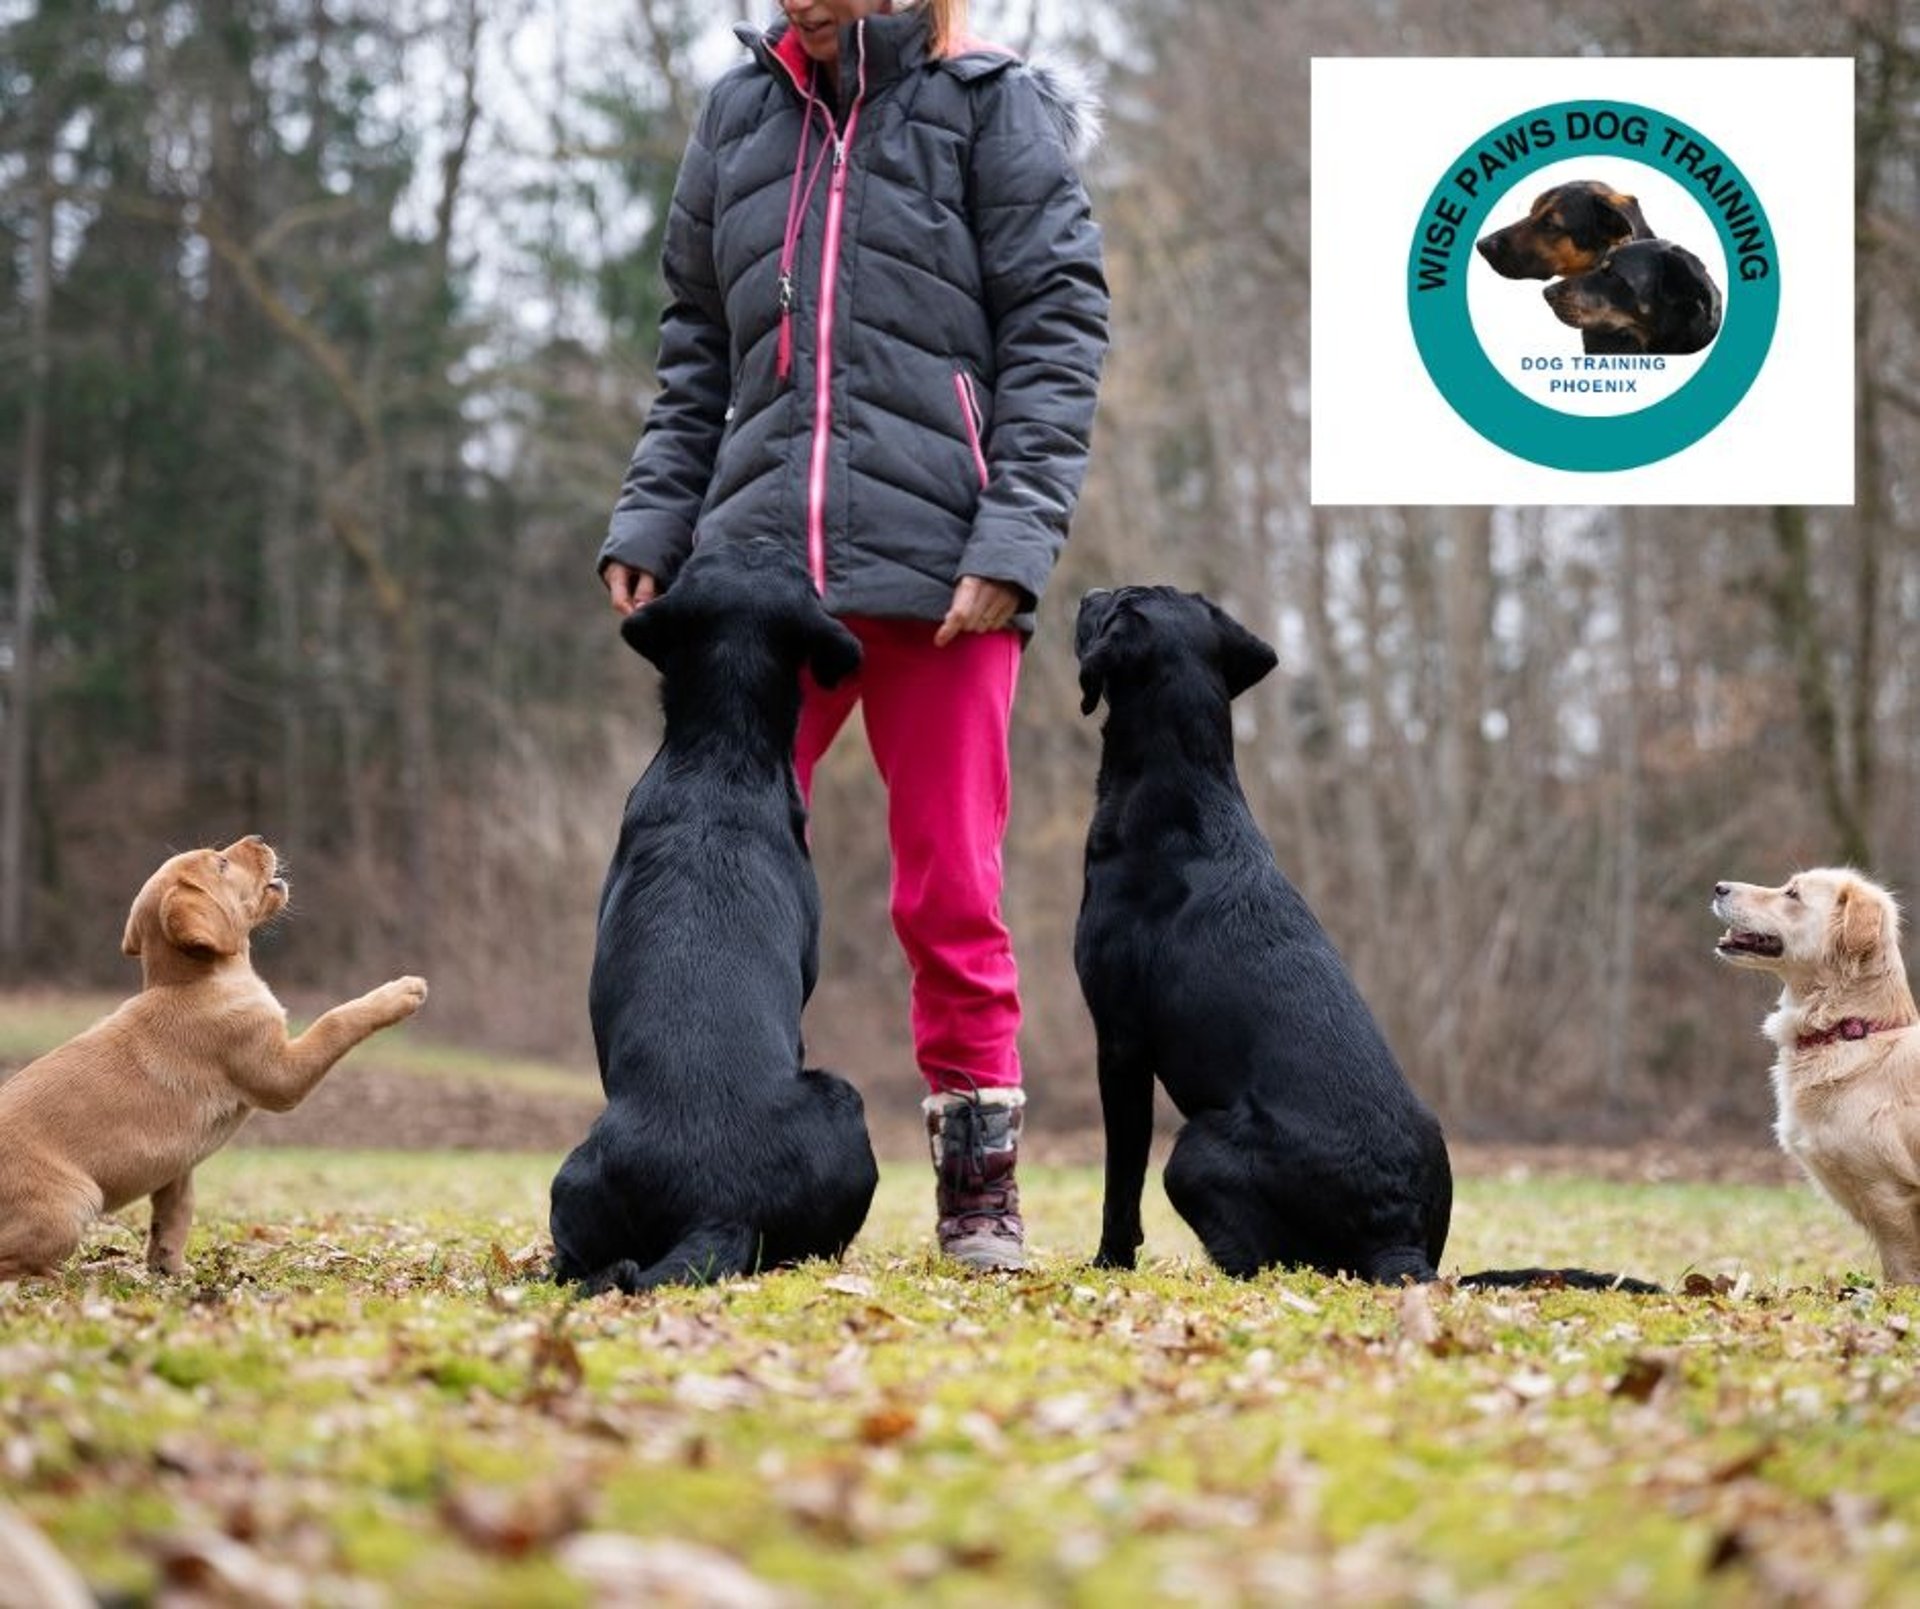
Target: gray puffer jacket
887, 325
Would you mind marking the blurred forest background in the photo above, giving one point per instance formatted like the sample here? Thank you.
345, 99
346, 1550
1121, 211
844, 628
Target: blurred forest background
326, 327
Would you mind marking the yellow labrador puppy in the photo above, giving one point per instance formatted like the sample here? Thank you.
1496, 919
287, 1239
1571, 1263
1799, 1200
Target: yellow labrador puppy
134, 1104
1847, 1075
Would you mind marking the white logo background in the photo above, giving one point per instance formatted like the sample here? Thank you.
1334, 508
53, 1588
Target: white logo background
1384, 132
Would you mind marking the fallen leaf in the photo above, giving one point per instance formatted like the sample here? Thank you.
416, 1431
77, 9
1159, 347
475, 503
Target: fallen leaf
33, 1575
1644, 1374
1417, 1322
627, 1572
1742, 1465
1729, 1547
1529, 1385
513, 1522
557, 1369
886, 1425
221, 1570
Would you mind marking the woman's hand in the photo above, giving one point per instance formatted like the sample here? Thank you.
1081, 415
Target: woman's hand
629, 589
978, 605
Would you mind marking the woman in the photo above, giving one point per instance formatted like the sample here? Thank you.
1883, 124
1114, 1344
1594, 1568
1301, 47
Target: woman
887, 324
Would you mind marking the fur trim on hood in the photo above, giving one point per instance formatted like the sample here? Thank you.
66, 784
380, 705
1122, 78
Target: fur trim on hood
1072, 95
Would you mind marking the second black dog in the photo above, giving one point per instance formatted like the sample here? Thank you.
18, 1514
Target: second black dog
718, 1152
1202, 964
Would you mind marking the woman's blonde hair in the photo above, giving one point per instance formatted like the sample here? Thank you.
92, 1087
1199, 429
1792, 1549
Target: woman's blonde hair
947, 25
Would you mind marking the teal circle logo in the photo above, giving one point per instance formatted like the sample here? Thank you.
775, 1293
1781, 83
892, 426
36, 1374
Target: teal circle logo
1456, 215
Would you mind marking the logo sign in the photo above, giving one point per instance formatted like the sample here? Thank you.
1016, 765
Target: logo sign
1685, 395
1593, 282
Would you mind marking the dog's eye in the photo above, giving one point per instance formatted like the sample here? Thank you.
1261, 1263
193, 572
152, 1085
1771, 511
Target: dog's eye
223, 862
1793, 894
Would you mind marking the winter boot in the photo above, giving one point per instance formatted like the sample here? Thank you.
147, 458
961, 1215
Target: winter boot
975, 1140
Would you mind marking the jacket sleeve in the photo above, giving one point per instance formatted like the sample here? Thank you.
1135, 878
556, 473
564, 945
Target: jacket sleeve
1046, 293
666, 482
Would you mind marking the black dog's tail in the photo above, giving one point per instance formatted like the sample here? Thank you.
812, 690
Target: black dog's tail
1551, 1279
704, 1254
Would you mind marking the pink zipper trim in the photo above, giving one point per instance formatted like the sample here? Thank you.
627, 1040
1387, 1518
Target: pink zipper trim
823, 340
798, 201
970, 412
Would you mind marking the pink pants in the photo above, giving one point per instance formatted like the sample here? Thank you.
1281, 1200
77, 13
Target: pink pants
937, 723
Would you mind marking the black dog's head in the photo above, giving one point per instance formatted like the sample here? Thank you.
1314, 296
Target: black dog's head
1646, 296
1567, 230
1131, 637
737, 594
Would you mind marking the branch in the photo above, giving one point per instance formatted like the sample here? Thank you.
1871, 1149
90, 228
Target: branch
660, 46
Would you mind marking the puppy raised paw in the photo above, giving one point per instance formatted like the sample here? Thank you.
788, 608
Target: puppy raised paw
398, 1000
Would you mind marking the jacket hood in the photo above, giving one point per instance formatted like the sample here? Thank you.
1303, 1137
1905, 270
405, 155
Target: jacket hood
1072, 98
1068, 89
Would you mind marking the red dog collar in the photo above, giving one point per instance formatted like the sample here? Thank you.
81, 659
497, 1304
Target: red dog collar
1847, 1028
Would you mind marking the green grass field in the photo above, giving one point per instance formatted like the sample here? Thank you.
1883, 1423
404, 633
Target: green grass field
362, 1392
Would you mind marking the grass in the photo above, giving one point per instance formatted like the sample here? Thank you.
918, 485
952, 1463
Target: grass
362, 1391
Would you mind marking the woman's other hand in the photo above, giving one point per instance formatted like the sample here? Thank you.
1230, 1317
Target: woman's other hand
629, 589
978, 605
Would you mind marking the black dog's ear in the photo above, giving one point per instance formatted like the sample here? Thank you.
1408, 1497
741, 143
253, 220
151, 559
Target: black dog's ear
1684, 279
653, 628
1244, 658
1627, 209
1093, 681
1089, 646
833, 652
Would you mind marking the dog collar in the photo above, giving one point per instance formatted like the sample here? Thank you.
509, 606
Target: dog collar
1846, 1028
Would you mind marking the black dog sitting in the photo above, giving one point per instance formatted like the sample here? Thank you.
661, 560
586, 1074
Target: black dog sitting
718, 1152
1202, 964
1645, 296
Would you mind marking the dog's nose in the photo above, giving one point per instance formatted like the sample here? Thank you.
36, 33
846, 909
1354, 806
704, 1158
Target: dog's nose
1722, 890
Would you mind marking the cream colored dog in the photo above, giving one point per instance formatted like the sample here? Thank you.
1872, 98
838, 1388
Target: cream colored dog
133, 1105
1847, 1076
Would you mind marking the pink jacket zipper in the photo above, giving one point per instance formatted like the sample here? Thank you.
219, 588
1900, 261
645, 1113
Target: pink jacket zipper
823, 339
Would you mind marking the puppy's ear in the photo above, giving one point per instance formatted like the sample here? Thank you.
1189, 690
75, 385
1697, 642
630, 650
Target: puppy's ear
652, 629
1859, 922
1244, 658
130, 940
194, 921
833, 652
1627, 209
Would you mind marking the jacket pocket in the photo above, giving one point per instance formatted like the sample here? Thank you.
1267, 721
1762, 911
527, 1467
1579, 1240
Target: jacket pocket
972, 421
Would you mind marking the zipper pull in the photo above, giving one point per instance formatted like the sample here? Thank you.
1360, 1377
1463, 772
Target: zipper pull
839, 153
783, 361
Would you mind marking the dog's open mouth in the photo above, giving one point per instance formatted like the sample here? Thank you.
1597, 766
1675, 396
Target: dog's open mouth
1736, 942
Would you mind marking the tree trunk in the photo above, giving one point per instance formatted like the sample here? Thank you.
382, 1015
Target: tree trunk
1616, 1027
1796, 612
30, 509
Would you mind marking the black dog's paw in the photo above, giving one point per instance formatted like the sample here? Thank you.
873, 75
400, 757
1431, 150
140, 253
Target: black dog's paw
623, 1276
1121, 1261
